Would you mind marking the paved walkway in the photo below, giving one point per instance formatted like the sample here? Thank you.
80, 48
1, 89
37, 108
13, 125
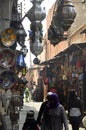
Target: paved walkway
32, 106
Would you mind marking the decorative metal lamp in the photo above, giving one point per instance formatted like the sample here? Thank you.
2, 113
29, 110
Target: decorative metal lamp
21, 34
24, 50
36, 47
24, 71
63, 17
36, 12
65, 13
36, 61
55, 33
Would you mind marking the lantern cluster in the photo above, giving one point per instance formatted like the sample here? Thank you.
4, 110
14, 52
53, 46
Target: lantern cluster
36, 14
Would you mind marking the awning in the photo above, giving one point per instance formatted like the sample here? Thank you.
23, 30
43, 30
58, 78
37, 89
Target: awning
48, 62
69, 50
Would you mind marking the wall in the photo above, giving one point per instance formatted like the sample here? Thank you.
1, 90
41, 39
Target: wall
80, 16
5, 13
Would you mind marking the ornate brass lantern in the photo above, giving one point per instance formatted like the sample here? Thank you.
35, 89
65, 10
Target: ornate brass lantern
36, 14
21, 34
65, 14
63, 17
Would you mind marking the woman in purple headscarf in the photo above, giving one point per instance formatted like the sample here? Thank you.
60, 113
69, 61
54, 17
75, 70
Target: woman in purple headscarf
55, 116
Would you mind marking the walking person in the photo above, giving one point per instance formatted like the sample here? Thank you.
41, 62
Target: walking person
30, 122
43, 108
26, 94
54, 115
75, 110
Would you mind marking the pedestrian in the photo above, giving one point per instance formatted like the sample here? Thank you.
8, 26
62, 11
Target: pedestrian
26, 94
54, 116
30, 122
43, 108
74, 110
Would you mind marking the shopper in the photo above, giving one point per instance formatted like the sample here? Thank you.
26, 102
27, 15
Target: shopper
75, 110
30, 122
43, 108
54, 115
26, 94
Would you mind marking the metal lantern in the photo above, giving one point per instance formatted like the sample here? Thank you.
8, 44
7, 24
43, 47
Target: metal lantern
21, 34
55, 33
65, 13
63, 17
24, 71
36, 48
24, 50
36, 61
36, 12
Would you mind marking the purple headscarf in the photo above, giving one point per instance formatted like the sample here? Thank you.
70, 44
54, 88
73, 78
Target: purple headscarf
53, 101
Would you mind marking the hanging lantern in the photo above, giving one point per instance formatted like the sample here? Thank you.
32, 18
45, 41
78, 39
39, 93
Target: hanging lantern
36, 13
23, 81
21, 34
55, 33
36, 61
24, 50
65, 13
63, 17
20, 60
36, 48
24, 71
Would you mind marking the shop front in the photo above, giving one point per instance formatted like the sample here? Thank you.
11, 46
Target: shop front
67, 70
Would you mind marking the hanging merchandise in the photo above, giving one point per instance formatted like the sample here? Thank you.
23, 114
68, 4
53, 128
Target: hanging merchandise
24, 71
72, 59
36, 15
65, 13
78, 64
63, 16
36, 39
36, 61
7, 58
81, 76
8, 37
8, 78
20, 60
